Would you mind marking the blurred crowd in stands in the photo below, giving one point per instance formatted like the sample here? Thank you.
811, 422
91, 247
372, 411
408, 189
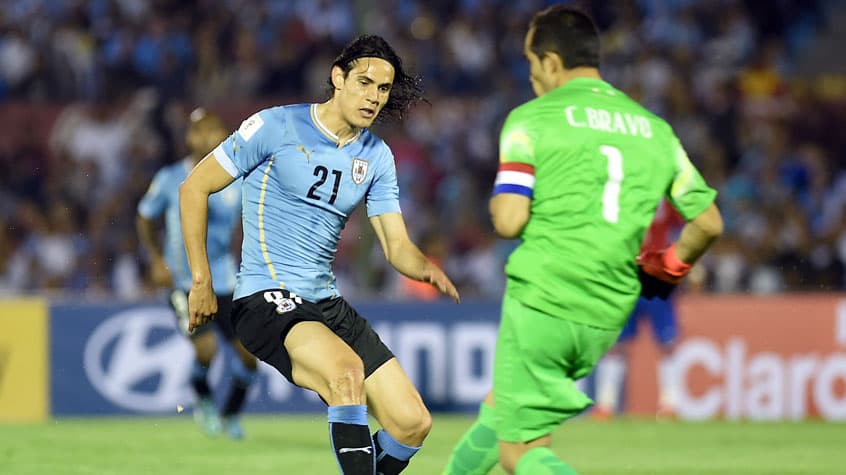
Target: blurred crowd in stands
94, 97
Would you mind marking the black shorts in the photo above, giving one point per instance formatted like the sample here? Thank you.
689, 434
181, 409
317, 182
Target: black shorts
223, 319
263, 320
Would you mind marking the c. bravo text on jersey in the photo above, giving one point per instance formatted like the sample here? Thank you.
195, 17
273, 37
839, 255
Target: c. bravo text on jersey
614, 122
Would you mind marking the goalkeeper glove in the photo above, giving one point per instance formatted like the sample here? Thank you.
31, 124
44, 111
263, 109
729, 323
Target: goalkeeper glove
660, 272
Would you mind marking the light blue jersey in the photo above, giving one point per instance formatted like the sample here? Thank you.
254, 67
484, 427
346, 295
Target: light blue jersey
224, 207
299, 190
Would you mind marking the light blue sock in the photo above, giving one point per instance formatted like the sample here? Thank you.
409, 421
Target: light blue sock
353, 414
393, 447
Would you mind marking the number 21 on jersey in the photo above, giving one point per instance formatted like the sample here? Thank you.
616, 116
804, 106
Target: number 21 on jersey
322, 173
611, 194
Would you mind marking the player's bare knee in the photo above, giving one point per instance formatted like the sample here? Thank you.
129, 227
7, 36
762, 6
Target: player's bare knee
423, 426
345, 382
419, 426
412, 426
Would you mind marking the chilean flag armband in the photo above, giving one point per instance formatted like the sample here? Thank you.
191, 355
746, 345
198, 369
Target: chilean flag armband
515, 177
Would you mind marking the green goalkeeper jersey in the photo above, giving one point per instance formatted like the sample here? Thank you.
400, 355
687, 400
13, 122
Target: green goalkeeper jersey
595, 165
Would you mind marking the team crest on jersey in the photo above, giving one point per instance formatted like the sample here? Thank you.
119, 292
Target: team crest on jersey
359, 170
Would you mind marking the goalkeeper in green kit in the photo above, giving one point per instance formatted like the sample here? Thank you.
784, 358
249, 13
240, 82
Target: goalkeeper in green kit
582, 171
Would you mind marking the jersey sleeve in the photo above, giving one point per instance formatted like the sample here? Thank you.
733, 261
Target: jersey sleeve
516, 159
154, 201
688, 193
250, 145
383, 194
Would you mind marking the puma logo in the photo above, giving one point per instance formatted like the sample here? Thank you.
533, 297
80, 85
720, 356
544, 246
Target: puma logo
355, 449
306, 152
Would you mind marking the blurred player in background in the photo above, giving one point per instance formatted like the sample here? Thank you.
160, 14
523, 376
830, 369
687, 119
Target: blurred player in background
169, 268
305, 168
611, 371
582, 171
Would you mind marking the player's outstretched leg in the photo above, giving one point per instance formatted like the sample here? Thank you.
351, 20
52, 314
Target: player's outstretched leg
322, 362
244, 373
205, 411
405, 421
478, 450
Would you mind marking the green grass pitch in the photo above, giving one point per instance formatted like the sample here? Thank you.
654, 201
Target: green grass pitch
281, 445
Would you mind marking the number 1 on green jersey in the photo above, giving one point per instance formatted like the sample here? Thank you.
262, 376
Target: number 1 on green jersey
611, 195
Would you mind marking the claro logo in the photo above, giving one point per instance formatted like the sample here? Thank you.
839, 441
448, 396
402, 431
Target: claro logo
762, 385
138, 361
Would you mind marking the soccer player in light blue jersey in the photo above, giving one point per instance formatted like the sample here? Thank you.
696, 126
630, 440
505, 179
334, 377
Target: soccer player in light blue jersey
304, 169
169, 268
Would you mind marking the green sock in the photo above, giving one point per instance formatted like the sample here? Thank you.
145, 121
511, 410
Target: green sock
542, 461
478, 450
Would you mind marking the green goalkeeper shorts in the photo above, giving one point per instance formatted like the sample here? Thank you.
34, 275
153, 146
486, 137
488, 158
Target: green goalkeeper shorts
538, 360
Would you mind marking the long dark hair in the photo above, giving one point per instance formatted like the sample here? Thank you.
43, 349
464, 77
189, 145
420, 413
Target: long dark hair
406, 90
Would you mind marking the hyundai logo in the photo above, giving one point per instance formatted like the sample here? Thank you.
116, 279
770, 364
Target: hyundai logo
138, 361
